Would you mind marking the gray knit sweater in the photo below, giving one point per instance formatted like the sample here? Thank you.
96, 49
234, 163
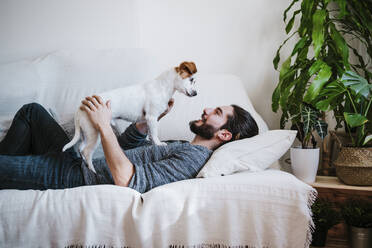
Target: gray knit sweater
154, 165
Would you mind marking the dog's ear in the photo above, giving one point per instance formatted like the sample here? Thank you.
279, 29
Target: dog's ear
188, 67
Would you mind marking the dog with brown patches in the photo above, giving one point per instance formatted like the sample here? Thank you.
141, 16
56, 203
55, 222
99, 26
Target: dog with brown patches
135, 103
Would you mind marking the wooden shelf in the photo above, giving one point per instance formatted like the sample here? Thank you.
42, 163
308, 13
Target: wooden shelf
335, 183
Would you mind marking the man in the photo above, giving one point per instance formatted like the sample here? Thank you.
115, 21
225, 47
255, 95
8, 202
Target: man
31, 157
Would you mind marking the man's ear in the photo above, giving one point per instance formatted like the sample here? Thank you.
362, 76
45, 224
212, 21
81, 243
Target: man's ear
224, 135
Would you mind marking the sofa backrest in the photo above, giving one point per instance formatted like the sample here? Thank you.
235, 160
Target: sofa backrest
60, 80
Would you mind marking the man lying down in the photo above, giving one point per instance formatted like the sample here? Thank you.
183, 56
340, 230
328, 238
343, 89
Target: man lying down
31, 154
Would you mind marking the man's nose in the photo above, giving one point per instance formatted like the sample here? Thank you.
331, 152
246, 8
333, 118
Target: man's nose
207, 111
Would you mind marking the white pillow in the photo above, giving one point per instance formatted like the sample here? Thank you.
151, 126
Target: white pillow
252, 154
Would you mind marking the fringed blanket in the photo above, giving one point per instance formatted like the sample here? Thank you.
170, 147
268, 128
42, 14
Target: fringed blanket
250, 210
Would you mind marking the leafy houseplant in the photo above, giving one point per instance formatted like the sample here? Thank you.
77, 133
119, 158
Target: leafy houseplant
357, 213
352, 93
305, 160
318, 71
325, 217
321, 55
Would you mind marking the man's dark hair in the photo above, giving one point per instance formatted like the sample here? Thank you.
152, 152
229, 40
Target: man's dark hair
241, 124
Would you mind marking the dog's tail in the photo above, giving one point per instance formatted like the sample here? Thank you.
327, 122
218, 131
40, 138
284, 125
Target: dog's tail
76, 137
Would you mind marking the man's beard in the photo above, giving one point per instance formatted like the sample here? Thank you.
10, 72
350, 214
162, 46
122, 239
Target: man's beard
204, 130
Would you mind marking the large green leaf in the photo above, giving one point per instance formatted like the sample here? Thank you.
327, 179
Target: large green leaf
341, 45
299, 45
306, 18
355, 120
357, 83
316, 66
318, 83
318, 30
325, 104
331, 92
285, 68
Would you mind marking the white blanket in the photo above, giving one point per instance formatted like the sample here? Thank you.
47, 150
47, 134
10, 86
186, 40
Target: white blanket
263, 209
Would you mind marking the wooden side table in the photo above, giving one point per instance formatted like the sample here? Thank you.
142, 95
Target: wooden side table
337, 192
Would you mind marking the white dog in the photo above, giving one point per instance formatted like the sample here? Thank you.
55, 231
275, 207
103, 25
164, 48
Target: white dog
140, 102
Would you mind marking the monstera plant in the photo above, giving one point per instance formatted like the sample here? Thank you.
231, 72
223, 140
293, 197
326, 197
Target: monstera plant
352, 94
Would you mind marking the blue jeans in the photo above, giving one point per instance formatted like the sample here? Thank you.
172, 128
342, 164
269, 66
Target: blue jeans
31, 154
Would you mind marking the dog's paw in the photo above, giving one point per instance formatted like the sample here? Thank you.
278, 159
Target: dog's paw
161, 144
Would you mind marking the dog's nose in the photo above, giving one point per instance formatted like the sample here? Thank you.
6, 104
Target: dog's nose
194, 93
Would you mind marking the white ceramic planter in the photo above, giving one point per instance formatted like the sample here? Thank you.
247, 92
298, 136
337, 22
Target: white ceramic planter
305, 163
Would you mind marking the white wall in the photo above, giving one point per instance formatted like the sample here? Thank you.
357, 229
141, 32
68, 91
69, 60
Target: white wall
229, 36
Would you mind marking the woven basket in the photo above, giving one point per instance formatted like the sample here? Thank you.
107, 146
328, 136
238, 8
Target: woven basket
354, 166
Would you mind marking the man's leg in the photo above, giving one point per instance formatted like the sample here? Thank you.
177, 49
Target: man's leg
49, 171
33, 131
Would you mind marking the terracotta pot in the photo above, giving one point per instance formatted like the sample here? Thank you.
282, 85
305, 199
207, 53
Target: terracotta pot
354, 166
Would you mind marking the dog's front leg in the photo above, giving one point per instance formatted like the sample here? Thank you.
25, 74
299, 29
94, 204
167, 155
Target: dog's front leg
152, 123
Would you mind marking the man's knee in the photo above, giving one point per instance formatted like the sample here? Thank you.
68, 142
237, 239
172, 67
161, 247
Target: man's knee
30, 109
33, 105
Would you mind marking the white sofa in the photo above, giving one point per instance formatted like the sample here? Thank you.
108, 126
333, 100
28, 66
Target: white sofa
261, 209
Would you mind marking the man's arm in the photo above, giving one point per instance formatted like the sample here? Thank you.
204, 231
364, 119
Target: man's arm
121, 168
99, 114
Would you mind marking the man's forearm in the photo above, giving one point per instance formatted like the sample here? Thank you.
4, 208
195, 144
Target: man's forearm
121, 168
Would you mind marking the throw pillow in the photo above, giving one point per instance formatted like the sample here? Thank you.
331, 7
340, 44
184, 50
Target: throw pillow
252, 154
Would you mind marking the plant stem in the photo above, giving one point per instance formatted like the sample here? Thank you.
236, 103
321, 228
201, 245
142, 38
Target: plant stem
351, 136
369, 105
352, 102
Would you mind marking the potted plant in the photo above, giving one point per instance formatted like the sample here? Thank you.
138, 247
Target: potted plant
305, 159
352, 94
318, 71
357, 214
324, 217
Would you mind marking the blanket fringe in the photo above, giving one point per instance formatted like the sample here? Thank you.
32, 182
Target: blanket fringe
312, 195
214, 246
94, 246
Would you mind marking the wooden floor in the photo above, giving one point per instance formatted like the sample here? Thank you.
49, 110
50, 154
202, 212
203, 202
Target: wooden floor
335, 243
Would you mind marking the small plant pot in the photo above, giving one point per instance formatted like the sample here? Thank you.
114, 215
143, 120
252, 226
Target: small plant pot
360, 237
304, 163
319, 237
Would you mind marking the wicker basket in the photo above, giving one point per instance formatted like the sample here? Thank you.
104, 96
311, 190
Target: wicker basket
354, 166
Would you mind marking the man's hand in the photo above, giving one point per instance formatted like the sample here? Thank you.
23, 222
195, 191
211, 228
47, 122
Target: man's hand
142, 126
99, 113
